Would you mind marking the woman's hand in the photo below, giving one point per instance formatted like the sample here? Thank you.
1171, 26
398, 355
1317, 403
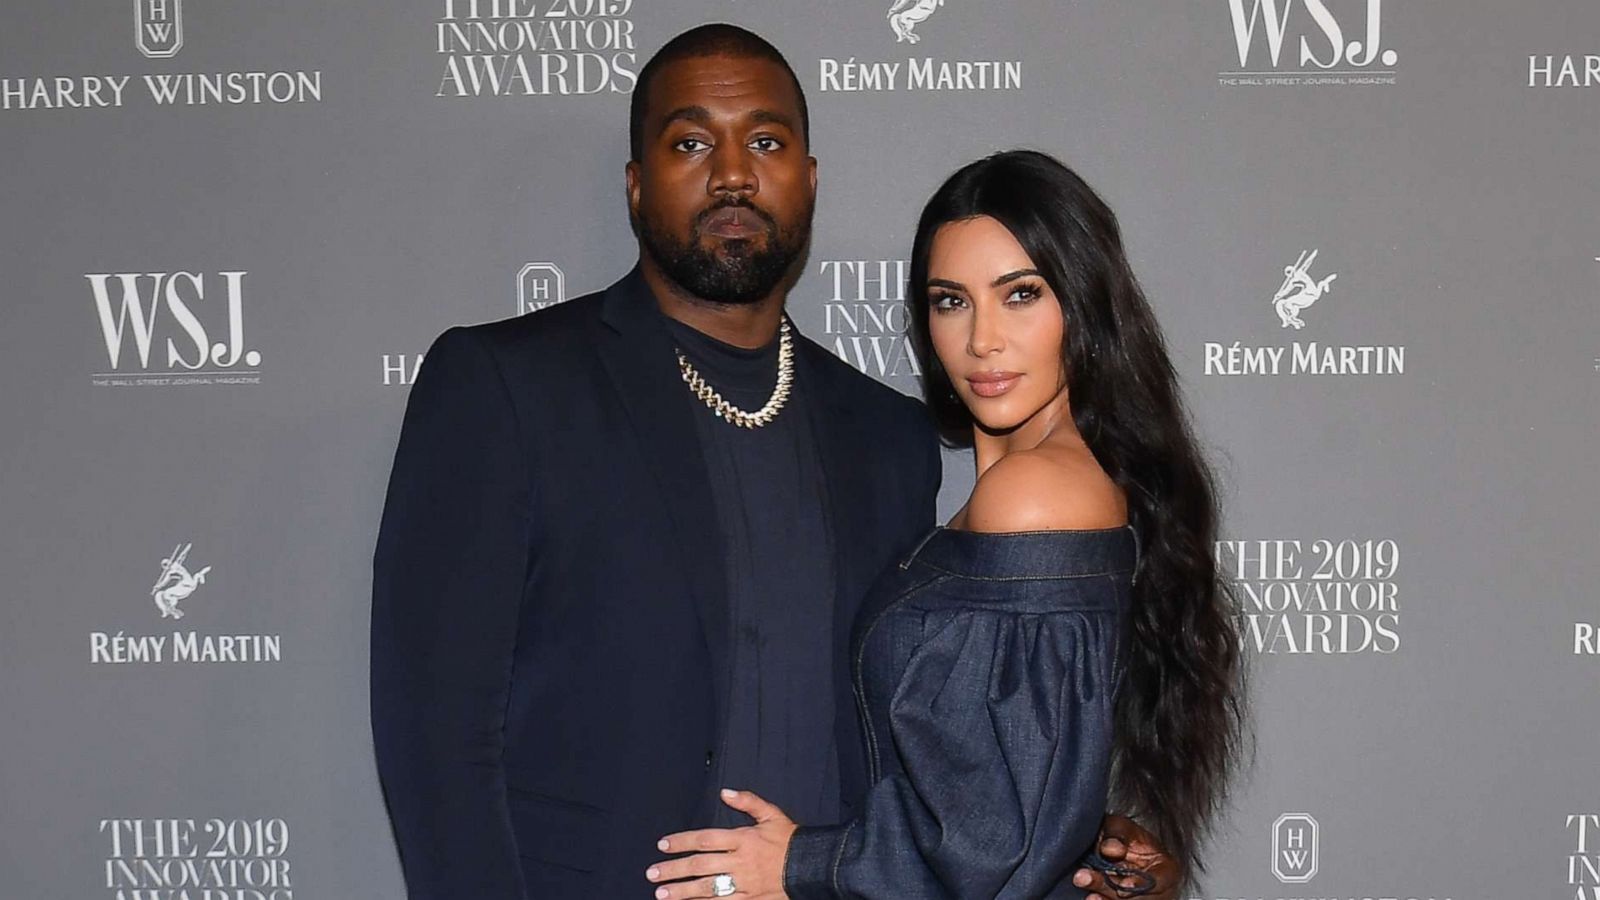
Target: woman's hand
752, 855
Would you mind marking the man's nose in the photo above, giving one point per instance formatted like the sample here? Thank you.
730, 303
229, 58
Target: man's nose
731, 171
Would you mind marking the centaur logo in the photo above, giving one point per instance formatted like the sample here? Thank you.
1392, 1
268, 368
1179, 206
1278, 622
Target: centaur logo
1294, 848
176, 582
1299, 291
1324, 56
129, 304
906, 15
158, 27
926, 73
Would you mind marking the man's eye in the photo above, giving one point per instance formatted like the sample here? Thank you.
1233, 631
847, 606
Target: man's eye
767, 144
691, 145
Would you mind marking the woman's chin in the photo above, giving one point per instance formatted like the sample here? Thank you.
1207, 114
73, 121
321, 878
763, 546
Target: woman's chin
993, 424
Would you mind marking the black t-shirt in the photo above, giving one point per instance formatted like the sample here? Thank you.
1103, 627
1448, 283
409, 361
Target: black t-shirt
766, 486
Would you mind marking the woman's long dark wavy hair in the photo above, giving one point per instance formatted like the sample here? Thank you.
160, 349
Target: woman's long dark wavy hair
1180, 725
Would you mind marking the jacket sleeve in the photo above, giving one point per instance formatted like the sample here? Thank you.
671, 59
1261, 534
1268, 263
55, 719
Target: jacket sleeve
448, 576
1002, 725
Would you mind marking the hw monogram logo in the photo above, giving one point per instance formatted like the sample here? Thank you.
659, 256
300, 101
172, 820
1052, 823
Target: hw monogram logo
1294, 848
158, 27
540, 284
906, 15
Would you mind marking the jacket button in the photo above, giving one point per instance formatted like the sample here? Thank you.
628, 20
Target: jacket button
709, 757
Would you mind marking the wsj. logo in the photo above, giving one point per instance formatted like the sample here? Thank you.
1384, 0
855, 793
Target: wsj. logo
143, 294
176, 582
540, 284
1270, 18
1299, 290
1294, 848
158, 27
906, 15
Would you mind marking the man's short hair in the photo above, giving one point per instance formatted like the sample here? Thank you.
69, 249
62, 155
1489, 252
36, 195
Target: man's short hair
715, 39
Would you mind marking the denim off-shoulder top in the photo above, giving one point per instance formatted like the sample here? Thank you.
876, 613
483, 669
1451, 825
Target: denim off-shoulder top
985, 669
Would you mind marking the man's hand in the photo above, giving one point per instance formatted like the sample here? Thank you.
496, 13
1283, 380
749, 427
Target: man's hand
1122, 841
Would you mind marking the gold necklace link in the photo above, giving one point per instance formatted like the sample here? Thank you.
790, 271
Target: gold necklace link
733, 415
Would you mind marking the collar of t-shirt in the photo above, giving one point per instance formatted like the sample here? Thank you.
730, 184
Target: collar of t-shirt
724, 366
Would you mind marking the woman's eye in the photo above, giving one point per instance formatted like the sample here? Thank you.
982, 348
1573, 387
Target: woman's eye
1022, 295
946, 302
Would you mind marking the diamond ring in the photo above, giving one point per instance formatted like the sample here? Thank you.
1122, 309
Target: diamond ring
723, 886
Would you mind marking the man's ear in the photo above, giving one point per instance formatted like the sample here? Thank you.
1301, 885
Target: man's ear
811, 162
630, 174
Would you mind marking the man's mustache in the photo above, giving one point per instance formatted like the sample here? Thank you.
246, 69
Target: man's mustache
713, 209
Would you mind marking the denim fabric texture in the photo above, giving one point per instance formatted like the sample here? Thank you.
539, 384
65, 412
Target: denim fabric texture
985, 670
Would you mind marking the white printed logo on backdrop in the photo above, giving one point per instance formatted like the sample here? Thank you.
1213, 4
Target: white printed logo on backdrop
1319, 597
178, 580
864, 319
158, 27
1331, 42
918, 73
1295, 848
1299, 289
197, 859
1583, 863
1549, 70
539, 285
178, 316
906, 15
536, 48
158, 32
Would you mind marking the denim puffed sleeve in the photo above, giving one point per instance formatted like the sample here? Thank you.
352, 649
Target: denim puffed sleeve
999, 757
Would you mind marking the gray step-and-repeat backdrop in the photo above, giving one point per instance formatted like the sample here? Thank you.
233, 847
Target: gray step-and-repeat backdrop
229, 229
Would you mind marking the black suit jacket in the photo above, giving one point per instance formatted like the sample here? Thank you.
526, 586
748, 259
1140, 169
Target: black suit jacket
549, 614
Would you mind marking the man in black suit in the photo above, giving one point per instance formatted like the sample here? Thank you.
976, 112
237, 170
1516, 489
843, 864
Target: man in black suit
626, 536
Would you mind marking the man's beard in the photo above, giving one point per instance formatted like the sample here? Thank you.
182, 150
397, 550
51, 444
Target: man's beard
737, 275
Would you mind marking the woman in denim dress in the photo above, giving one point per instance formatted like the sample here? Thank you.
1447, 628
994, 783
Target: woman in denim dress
1065, 640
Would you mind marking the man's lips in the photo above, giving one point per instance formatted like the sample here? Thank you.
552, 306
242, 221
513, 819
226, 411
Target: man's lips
993, 384
734, 222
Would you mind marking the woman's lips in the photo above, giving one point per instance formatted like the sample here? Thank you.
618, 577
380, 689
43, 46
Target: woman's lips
993, 384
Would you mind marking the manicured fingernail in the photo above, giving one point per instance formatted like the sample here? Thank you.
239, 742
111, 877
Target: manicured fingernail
652, 873
662, 844
1081, 879
729, 793
661, 894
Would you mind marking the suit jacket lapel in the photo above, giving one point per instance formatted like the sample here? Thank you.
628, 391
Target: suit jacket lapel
637, 352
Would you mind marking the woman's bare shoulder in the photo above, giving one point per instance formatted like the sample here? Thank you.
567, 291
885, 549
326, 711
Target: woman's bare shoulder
1045, 490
